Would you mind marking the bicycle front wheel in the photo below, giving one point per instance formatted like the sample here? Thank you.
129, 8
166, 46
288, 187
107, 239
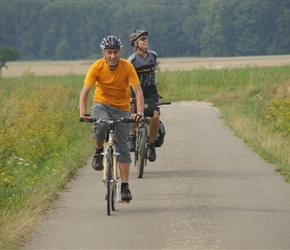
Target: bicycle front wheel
114, 196
109, 181
141, 151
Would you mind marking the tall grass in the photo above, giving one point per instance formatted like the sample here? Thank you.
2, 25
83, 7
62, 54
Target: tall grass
42, 144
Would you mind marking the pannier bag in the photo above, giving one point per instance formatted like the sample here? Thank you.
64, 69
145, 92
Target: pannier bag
160, 135
149, 106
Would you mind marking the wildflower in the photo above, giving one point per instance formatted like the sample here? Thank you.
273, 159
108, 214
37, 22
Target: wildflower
8, 180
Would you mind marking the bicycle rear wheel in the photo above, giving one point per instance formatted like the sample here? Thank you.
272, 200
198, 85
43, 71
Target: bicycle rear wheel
141, 151
110, 181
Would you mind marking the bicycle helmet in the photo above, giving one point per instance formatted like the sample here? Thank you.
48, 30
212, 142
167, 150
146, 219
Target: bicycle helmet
111, 42
135, 35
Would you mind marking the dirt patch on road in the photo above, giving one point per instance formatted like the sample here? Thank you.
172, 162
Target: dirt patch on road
16, 69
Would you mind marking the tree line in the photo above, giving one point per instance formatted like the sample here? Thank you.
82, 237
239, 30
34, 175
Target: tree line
70, 30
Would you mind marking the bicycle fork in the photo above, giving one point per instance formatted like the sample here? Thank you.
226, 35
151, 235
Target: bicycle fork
115, 180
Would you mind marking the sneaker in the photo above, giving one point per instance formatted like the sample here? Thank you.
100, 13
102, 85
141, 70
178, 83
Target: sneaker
152, 153
126, 194
97, 162
132, 143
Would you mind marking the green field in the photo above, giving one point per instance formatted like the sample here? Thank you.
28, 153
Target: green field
42, 143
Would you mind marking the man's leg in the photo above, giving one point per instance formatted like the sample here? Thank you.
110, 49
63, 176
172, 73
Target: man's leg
153, 131
124, 172
122, 136
154, 122
154, 126
97, 162
99, 134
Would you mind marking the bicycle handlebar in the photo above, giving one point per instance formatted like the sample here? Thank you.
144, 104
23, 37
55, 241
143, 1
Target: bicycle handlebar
159, 104
108, 121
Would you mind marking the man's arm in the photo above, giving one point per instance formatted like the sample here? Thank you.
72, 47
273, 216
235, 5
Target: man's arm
139, 98
84, 99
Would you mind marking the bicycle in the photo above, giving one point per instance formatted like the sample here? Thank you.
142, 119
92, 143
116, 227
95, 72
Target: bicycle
111, 177
141, 152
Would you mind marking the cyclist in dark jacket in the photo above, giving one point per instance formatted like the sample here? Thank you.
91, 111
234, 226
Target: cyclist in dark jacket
145, 64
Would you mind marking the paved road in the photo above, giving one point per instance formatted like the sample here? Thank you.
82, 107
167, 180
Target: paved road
207, 190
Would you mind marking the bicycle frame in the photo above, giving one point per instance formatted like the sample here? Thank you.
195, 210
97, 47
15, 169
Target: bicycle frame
114, 176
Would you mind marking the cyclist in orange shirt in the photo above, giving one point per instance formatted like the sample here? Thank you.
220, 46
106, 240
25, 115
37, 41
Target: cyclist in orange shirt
113, 77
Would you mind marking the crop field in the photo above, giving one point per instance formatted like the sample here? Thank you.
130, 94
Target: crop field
45, 68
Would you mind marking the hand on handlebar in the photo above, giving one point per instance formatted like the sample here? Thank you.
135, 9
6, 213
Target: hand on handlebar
85, 118
138, 117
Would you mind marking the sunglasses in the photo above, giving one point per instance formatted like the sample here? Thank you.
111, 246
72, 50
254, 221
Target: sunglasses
143, 38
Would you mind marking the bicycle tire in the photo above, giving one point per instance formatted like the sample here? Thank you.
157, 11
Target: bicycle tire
114, 197
136, 155
109, 180
136, 148
114, 194
141, 151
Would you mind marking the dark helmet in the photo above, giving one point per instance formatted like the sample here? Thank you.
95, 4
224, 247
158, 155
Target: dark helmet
135, 35
111, 42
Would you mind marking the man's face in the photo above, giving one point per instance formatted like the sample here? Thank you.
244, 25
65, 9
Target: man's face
112, 57
143, 42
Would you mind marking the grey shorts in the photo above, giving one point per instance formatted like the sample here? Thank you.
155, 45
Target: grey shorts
104, 111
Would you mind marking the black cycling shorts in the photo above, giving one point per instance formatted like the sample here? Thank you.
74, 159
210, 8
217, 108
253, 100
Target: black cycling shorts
149, 93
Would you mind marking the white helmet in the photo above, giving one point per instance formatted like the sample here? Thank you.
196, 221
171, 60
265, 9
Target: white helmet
111, 42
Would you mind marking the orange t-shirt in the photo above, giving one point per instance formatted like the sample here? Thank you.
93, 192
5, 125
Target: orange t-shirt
112, 87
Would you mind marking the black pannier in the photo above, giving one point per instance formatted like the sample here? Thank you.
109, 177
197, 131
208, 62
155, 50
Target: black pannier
149, 107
